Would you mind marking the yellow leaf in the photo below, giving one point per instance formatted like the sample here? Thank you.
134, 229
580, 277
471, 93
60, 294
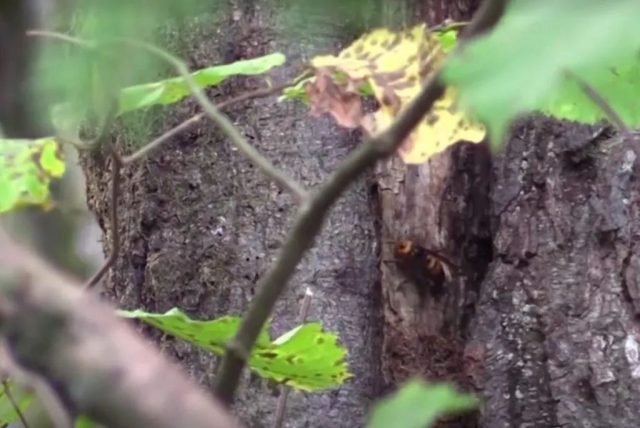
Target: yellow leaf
394, 65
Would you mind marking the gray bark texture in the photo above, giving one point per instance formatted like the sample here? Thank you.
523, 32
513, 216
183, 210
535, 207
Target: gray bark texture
200, 224
558, 309
541, 319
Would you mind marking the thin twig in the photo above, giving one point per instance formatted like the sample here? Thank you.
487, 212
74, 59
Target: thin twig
147, 148
117, 161
56, 411
312, 212
14, 404
62, 37
602, 104
284, 389
260, 93
448, 25
116, 166
224, 123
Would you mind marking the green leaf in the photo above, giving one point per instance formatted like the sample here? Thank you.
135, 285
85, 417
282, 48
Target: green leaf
172, 90
26, 170
22, 398
305, 358
620, 85
297, 91
522, 65
448, 39
85, 422
91, 79
418, 405
211, 335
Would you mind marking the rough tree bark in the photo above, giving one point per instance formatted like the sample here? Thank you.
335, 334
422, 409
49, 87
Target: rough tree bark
558, 310
199, 224
541, 320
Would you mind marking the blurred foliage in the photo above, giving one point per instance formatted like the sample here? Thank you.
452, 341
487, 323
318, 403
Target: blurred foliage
90, 79
524, 63
418, 404
26, 169
21, 398
308, 18
27, 166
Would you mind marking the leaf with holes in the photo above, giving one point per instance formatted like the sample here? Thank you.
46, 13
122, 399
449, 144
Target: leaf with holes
172, 90
26, 170
418, 404
306, 357
394, 66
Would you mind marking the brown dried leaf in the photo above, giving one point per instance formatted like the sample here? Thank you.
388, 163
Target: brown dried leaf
326, 96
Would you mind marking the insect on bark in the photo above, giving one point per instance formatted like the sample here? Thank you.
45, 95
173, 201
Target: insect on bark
428, 270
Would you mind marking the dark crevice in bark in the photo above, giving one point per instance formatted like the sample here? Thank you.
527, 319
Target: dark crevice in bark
443, 205
465, 212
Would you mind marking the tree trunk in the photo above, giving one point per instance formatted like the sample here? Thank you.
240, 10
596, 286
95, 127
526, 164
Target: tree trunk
540, 320
199, 224
557, 314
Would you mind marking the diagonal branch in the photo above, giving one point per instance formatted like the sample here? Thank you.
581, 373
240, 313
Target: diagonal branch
97, 364
312, 212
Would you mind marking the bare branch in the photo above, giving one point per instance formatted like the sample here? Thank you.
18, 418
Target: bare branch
224, 123
97, 364
312, 212
116, 166
284, 389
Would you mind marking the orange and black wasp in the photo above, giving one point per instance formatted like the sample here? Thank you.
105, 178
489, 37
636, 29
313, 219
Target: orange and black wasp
428, 270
